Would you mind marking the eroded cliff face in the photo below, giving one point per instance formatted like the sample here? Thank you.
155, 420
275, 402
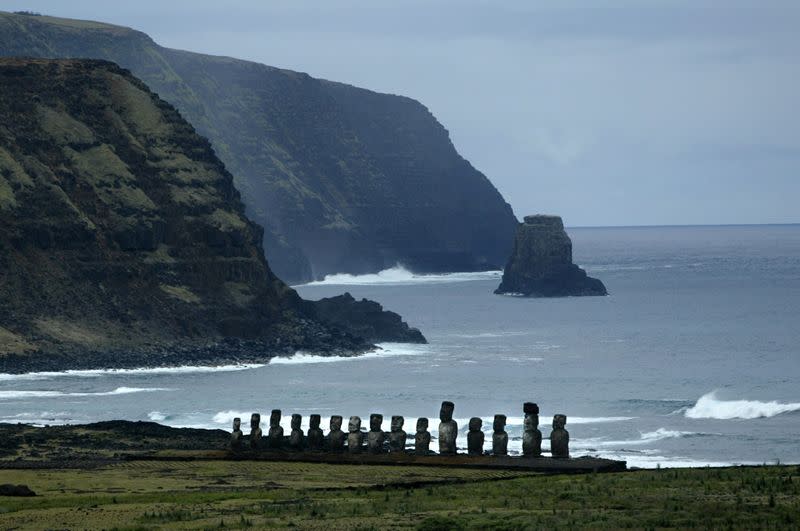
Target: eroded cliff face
123, 241
541, 263
343, 179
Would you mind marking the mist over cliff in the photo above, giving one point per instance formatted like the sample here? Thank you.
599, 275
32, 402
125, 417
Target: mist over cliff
343, 179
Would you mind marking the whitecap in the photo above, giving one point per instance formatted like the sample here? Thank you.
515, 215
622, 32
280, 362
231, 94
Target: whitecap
10, 395
709, 406
400, 275
94, 373
384, 350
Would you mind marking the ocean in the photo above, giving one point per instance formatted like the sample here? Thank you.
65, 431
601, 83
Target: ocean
693, 359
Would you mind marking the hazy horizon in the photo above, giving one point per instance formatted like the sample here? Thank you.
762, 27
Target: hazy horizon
618, 114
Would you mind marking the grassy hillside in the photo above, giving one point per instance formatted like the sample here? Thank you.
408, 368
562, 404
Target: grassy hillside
343, 179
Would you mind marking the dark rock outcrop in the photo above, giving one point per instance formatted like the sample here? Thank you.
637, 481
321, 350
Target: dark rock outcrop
343, 179
364, 318
7, 489
123, 241
541, 263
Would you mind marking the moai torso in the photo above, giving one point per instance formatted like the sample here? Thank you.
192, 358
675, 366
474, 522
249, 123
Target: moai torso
314, 437
296, 439
499, 437
531, 436
336, 437
236, 434
475, 437
255, 431
559, 437
448, 429
397, 437
354, 435
422, 440
375, 436
275, 434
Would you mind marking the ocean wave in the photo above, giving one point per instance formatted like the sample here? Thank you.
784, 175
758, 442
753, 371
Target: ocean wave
649, 437
709, 406
9, 395
384, 350
401, 275
94, 373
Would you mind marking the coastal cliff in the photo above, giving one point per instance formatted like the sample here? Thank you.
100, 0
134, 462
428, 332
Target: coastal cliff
343, 179
541, 263
123, 241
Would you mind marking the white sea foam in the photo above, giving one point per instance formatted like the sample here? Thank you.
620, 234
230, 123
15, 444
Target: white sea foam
711, 407
645, 438
157, 416
10, 395
400, 275
384, 350
185, 369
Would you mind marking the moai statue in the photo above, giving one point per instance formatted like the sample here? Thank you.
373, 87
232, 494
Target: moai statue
422, 441
296, 439
559, 437
236, 434
354, 435
531, 436
336, 437
500, 437
314, 437
475, 437
275, 434
375, 436
397, 437
255, 431
448, 429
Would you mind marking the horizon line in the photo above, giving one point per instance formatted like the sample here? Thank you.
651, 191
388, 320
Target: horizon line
687, 225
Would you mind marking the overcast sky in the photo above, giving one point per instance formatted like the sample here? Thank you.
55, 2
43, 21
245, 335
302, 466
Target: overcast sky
605, 112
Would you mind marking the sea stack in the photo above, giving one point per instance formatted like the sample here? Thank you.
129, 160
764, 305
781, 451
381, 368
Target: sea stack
541, 263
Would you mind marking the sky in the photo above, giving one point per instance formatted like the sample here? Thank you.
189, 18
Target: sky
620, 112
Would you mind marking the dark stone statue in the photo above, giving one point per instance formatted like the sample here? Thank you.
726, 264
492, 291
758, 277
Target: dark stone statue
296, 438
531, 436
236, 434
475, 437
422, 441
500, 437
275, 434
354, 437
336, 437
397, 437
559, 437
255, 431
448, 429
375, 436
314, 437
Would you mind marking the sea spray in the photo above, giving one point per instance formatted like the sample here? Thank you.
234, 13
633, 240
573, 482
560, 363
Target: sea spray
709, 406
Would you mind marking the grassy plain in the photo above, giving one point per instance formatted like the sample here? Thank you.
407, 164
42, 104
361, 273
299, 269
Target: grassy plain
245, 494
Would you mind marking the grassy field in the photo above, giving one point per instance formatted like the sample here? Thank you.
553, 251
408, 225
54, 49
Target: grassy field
225, 494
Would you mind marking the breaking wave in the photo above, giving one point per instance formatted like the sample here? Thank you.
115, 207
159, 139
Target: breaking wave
400, 275
51, 394
709, 406
384, 350
186, 369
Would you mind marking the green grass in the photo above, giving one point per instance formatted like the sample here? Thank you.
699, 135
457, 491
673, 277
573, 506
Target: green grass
238, 495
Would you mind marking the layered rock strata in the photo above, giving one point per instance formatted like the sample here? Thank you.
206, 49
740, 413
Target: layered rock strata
541, 263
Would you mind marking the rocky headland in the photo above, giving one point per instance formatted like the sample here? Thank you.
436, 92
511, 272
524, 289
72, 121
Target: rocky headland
124, 243
343, 179
541, 263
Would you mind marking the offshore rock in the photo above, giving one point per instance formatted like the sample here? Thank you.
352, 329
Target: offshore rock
541, 263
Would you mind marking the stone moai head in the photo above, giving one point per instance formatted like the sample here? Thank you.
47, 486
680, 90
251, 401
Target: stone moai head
499, 424
275, 418
354, 426
375, 421
237, 424
531, 422
336, 423
559, 421
255, 421
313, 422
475, 424
296, 421
422, 424
397, 423
446, 411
